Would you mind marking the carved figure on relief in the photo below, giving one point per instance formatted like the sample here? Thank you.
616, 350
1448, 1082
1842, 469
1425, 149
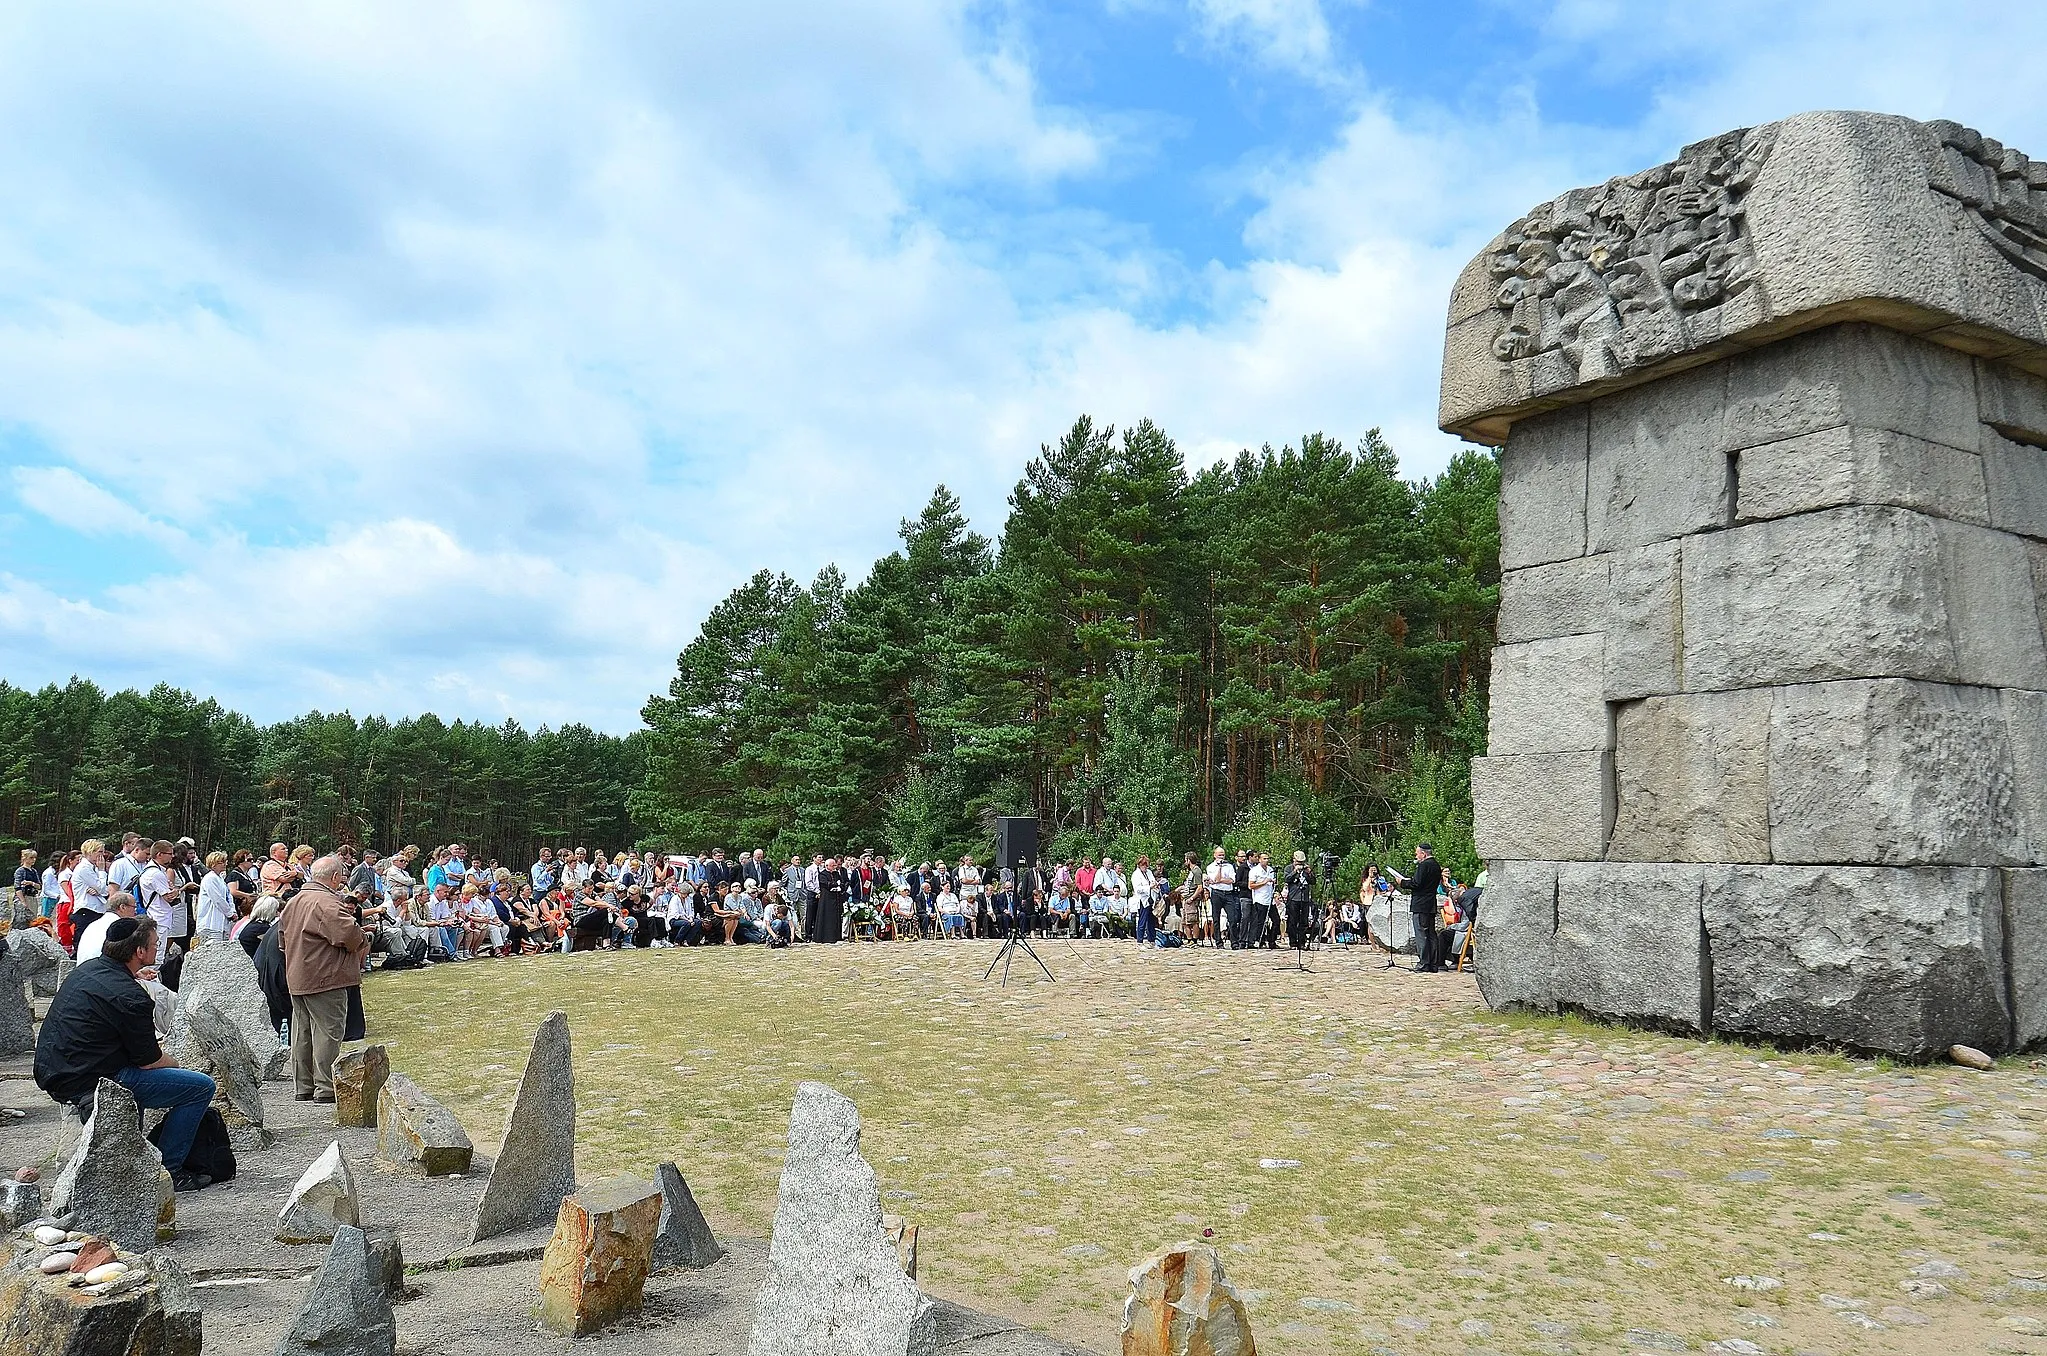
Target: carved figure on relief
1613, 277
2004, 191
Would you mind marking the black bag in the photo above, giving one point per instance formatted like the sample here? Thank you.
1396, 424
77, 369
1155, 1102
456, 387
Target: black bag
211, 1152
409, 957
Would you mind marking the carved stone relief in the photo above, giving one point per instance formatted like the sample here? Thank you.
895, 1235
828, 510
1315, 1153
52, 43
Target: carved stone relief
1618, 276
2005, 192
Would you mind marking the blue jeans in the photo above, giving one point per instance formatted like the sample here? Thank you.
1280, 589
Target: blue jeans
1147, 926
185, 1091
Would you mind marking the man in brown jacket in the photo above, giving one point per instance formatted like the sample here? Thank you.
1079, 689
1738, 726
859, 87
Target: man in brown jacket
323, 952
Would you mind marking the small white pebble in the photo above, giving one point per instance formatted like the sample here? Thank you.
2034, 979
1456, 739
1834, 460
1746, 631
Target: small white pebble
56, 1262
49, 1236
109, 1271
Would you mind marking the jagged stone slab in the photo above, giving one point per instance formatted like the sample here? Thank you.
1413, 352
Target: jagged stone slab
224, 973
20, 1202
1781, 228
348, 1309
835, 1286
182, 1323
1181, 1304
358, 1082
46, 1316
536, 1162
2025, 909
1900, 960
902, 1236
218, 1048
683, 1238
110, 1185
387, 1260
1515, 949
413, 1130
43, 962
17, 1014
595, 1269
324, 1200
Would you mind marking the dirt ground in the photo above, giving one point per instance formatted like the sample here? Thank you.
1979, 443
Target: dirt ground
1385, 1165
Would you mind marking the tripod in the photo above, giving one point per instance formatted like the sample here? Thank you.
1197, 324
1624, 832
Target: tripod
1019, 917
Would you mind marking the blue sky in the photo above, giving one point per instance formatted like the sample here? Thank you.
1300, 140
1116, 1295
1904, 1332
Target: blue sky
460, 357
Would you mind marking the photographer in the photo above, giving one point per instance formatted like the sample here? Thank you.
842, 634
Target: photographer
1300, 896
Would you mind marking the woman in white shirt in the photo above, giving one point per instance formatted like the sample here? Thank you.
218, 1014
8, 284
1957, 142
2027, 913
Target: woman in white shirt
88, 885
216, 904
1143, 887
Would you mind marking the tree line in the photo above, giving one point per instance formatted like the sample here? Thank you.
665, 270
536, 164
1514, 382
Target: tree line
77, 762
1288, 648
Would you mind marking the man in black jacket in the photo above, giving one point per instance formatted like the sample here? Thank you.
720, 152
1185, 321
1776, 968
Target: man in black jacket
1422, 887
102, 1025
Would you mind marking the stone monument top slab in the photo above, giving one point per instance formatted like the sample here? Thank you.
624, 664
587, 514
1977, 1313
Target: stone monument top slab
1749, 237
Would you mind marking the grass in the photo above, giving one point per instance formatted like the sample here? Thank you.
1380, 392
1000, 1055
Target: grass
1455, 1164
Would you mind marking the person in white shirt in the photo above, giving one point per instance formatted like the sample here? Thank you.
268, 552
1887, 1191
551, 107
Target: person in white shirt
1221, 880
951, 919
122, 905
1264, 924
216, 905
161, 898
127, 868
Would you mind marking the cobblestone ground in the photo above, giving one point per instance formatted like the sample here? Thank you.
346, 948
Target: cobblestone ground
1386, 1166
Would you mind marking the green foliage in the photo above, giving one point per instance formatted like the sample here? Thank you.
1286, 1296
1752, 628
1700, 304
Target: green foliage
1268, 824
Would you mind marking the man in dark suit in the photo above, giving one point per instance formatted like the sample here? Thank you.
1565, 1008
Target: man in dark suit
1422, 887
756, 870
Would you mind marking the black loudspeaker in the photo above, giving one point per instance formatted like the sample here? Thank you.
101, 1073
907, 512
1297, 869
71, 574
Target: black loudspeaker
1016, 841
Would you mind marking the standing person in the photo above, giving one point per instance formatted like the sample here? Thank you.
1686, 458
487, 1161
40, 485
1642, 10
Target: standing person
89, 885
544, 873
216, 903
53, 882
28, 889
1242, 937
1300, 896
795, 891
323, 955
1262, 928
1144, 888
832, 887
969, 879
161, 898
1422, 888
1220, 880
275, 877
102, 1025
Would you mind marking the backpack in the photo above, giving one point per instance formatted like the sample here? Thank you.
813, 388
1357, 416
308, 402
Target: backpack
211, 1153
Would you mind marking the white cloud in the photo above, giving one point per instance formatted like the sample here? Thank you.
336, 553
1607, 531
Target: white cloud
1291, 34
69, 500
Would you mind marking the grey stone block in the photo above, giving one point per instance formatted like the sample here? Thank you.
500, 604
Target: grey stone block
1628, 943
347, 1310
2016, 473
1846, 465
225, 974
1820, 219
1893, 772
2025, 914
2011, 400
1992, 613
2025, 730
109, 1186
1542, 490
17, 1014
1844, 593
413, 1130
1552, 807
1658, 467
1904, 961
324, 1200
1567, 598
536, 1163
1859, 376
1546, 697
1692, 778
41, 960
1515, 950
1644, 631
682, 1238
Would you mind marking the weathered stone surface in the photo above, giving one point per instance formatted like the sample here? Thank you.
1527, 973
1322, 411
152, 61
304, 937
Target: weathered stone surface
1542, 490
387, 1260
1692, 778
1851, 376
324, 1200
1907, 961
42, 961
110, 1184
2025, 912
1546, 697
225, 974
1845, 465
1891, 772
17, 1014
1567, 598
902, 1236
1628, 942
536, 1162
2015, 469
2011, 401
1755, 235
1992, 616
1181, 1304
45, 1316
1844, 593
596, 1265
1658, 465
216, 1047
2025, 726
1515, 950
347, 1311
182, 1325
1552, 807
834, 1285
358, 1082
682, 1238
20, 1202
416, 1131
1644, 641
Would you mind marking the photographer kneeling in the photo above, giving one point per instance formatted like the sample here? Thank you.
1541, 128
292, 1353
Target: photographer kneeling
102, 1025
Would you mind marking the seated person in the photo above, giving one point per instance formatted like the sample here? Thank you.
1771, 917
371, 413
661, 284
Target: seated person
102, 1025
927, 907
730, 911
592, 924
1062, 910
685, 928
952, 917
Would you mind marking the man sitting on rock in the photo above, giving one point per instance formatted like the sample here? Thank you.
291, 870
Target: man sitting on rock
101, 1025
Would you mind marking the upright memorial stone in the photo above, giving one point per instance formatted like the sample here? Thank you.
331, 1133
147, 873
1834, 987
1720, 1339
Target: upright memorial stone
348, 1309
536, 1162
835, 1286
358, 1081
1768, 747
110, 1186
17, 1015
224, 973
683, 1238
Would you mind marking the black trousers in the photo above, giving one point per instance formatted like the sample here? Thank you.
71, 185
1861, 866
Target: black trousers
811, 908
1424, 939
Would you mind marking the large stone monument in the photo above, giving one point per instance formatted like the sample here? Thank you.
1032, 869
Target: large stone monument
1768, 749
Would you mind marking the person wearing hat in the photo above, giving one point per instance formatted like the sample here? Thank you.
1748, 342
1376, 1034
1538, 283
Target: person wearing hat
102, 1025
1300, 895
323, 948
93, 940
